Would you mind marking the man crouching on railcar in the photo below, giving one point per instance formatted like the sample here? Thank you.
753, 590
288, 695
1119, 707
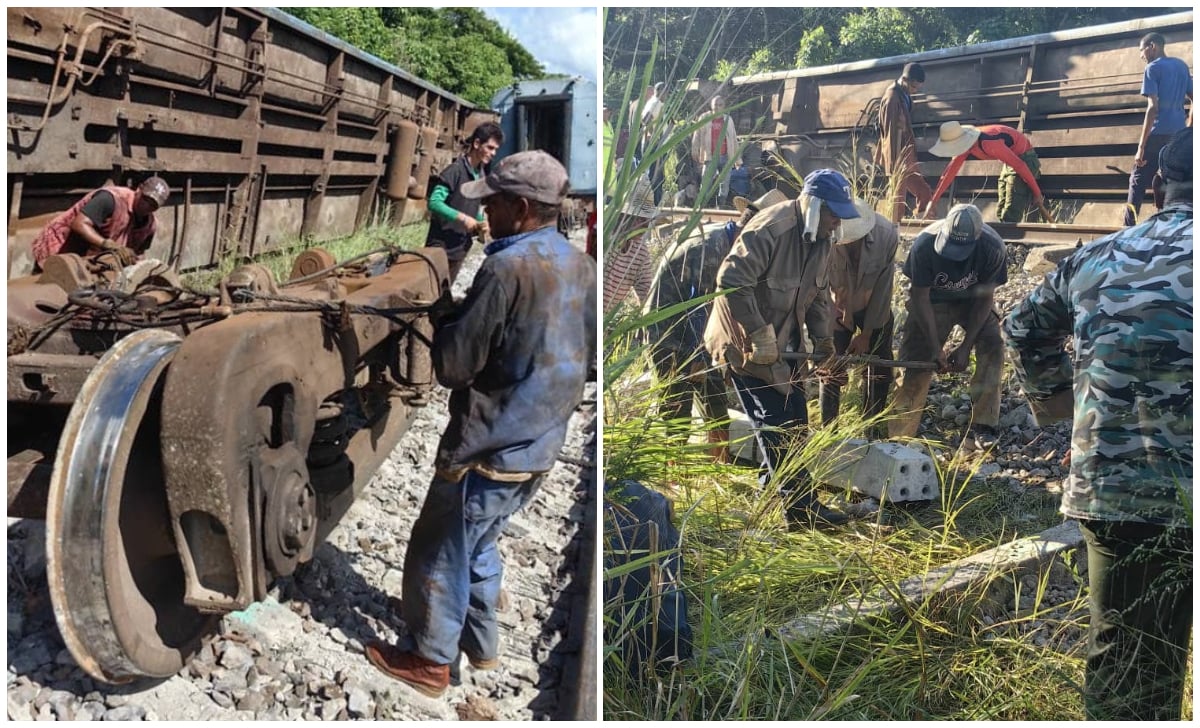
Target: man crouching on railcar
516, 353
110, 219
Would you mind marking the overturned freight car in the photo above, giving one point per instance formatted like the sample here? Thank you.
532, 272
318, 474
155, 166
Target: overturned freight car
1075, 93
188, 447
265, 127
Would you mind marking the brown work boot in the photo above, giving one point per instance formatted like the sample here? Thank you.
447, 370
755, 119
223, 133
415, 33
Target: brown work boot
425, 677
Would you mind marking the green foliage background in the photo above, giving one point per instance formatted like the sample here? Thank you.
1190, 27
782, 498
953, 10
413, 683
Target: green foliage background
460, 49
753, 40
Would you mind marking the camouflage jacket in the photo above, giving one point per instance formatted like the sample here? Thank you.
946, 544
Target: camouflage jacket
687, 271
1127, 301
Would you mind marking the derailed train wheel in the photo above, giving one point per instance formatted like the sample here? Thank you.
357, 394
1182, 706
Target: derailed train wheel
115, 578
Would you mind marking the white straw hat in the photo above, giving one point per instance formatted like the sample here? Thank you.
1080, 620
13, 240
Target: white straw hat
639, 202
855, 228
954, 139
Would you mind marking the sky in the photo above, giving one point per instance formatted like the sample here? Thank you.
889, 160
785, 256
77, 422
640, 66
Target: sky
564, 40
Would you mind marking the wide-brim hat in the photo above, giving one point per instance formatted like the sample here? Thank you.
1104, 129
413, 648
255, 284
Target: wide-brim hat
954, 139
856, 228
773, 197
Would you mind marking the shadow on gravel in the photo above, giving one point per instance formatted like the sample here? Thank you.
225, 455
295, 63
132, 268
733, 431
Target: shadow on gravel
38, 660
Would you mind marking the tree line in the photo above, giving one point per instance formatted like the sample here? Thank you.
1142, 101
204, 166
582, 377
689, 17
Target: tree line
742, 41
459, 49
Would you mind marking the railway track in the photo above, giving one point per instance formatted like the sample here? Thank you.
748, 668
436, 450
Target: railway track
1020, 233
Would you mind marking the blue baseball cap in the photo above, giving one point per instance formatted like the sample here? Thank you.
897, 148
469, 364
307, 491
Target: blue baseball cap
831, 187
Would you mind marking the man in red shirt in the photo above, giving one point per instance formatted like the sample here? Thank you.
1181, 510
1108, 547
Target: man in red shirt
1017, 185
712, 145
116, 219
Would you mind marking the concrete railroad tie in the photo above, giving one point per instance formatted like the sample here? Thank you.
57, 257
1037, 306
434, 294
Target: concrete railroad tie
988, 569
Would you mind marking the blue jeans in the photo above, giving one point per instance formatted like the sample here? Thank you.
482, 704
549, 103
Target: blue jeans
775, 418
452, 568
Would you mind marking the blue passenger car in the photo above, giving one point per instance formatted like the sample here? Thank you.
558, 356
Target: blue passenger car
558, 116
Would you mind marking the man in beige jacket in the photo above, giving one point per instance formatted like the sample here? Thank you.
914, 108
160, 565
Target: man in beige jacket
861, 272
777, 270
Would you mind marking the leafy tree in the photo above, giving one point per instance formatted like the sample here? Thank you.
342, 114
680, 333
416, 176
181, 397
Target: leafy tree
479, 67
460, 49
816, 48
878, 32
360, 27
812, 36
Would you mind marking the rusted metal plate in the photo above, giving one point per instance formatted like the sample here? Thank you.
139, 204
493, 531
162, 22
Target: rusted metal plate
47, 378
234, 104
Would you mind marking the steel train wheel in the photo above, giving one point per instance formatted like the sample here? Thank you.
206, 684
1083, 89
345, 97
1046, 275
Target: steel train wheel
116, 582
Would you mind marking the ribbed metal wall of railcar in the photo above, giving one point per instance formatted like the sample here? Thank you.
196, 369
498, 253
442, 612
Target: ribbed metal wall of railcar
1075, 93
266, 128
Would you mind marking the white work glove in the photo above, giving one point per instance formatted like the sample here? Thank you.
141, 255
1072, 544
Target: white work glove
763, 347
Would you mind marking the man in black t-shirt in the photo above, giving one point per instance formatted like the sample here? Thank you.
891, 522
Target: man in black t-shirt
454, 220
955, 266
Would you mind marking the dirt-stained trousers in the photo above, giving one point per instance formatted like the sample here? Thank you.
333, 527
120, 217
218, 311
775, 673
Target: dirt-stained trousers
984, 387
452, 568
877, 380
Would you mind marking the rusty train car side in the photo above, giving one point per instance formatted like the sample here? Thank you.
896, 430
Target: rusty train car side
1075, 93
266, 128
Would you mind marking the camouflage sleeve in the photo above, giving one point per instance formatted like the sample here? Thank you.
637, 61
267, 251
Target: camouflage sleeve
1035, 333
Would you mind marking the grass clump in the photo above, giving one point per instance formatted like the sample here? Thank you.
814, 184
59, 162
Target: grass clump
280, 260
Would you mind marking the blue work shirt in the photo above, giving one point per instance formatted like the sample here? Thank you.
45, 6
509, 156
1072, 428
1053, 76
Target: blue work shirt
1170, 80
516, 354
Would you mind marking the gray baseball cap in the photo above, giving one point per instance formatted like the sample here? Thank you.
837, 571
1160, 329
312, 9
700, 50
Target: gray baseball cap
156, 188
533, 175
960, 231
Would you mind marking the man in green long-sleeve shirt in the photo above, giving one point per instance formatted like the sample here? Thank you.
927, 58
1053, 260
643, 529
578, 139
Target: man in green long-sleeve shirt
454, 220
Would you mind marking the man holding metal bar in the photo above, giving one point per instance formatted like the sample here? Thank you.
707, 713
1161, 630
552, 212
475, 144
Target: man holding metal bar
777, 271
955, 266
861, 277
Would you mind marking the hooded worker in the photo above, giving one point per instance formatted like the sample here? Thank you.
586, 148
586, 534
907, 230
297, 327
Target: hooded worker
777, 271
115, 219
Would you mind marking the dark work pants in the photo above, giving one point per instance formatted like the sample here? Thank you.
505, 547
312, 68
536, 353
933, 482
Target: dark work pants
1140, 177
1140, 583
777, 419
878, 380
